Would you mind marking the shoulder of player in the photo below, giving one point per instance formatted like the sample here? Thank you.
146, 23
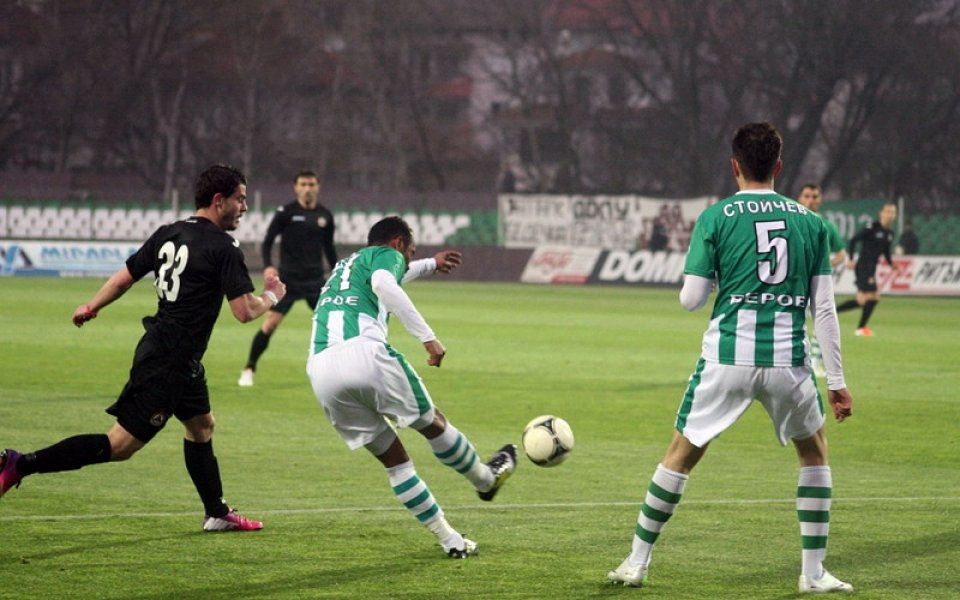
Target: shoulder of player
218, 238
374, 251
212, 236
288, 208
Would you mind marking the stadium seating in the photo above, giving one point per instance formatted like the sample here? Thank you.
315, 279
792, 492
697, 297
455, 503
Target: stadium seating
134, 223
937, 233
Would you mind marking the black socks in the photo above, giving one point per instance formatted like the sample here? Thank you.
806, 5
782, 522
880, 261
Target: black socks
847, 305
205, 473
69, 454
258, 347
867, 311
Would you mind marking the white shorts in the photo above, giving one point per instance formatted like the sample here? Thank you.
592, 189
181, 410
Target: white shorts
718, 395
361, 383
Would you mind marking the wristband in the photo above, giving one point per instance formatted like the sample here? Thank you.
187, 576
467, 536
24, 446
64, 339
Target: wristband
271, 297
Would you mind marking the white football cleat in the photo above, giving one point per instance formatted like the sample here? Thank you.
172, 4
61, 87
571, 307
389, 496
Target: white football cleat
246, 378
825, 585
469, 549
627, 575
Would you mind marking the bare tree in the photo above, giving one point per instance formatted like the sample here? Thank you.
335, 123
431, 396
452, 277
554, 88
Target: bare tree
575, 95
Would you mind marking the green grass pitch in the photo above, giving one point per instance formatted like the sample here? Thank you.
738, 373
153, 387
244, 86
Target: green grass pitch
612, 361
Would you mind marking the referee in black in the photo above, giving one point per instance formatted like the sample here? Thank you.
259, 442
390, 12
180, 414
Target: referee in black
306, 229
875, 241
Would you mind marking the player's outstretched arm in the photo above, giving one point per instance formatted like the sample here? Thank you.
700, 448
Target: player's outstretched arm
248, 307
398, 303
447, 260
443, 262
116, 286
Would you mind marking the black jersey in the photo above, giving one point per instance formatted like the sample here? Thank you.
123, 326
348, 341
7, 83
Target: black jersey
307, 235
875, 241
195, 264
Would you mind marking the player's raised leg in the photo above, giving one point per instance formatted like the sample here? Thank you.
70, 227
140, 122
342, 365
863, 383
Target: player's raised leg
68, 454
452, 448
9, 474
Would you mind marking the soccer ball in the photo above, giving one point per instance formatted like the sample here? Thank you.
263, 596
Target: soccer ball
547, 440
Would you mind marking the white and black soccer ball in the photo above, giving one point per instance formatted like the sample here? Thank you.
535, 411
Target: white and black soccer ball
547, 440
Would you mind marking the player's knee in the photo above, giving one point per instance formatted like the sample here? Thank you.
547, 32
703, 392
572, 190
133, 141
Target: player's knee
431, 427
207, 427
120, 452
382, 443
200, 429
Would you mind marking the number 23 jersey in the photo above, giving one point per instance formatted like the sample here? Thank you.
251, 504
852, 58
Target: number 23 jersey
763, 249
195, 264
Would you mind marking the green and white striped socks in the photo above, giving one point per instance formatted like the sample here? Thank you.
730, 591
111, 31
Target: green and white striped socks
663, 495
814, 491
413, 493
453, 449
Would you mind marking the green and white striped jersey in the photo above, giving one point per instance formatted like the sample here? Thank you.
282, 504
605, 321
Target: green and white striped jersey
763, 249
347, 306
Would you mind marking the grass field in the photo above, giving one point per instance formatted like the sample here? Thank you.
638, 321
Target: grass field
612, 361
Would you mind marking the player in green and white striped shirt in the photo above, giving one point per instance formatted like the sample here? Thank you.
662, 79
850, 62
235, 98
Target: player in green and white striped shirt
364, 384
770, 258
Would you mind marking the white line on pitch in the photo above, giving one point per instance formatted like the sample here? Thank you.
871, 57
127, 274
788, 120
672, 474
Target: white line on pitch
553, 505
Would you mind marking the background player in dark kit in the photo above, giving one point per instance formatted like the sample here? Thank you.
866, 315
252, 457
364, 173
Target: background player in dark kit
306, 229
875, 241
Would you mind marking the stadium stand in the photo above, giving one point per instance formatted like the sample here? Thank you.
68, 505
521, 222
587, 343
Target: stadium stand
432, 227
135, 223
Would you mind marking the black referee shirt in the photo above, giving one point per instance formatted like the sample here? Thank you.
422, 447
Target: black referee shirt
875, 242
306, 237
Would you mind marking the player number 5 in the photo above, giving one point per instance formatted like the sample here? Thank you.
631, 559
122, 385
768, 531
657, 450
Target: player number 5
772, 271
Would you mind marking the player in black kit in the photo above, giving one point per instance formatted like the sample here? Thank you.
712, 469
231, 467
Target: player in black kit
306, 230
195, 264
875, 241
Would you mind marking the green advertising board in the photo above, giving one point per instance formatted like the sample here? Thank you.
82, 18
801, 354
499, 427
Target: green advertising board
850, 216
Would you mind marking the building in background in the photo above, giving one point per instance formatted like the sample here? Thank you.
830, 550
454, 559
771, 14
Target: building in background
121, 100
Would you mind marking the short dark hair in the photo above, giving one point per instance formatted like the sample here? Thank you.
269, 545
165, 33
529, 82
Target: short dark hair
387, 228
810, 186
306, 173
218, 179
757, 147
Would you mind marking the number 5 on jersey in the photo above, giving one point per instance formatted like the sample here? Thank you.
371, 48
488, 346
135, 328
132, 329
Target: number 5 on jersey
778, 245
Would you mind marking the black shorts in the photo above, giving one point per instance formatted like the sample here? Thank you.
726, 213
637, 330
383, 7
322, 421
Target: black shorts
866, 273
164, 381
299, 291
